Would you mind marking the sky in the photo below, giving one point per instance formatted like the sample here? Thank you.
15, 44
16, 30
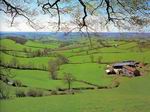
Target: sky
46, 23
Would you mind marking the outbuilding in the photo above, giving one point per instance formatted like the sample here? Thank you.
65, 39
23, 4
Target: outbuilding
126, 68
130, 71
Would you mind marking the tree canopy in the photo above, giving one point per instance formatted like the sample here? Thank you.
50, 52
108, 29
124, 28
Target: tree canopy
81, 15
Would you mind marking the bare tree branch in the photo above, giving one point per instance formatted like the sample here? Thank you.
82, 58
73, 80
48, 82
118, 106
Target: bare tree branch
97, 6
85, 14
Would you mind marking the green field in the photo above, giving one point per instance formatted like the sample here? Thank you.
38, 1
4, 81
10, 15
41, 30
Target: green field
31, 64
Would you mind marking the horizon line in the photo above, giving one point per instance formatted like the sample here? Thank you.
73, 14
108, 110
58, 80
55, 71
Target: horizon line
63, 32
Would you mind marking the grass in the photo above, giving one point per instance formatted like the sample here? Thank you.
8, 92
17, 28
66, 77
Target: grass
38, 44
90, 72
41, 79
12, 45
113, 57
35, 78
131, 96
37, 62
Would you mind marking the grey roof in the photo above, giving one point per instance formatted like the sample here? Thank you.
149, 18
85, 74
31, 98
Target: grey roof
124, 64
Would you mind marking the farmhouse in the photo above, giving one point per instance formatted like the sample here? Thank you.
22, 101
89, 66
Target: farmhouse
130, 71
127, 68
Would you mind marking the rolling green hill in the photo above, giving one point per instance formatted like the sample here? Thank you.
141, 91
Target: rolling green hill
93, 90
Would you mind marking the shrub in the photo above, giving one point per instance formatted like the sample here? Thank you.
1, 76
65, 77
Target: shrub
54, 92
4, 78
20, 93
39, 93
17, 83
34, 93
4, 91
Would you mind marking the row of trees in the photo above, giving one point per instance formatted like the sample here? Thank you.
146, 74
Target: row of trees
15, 63
37, 53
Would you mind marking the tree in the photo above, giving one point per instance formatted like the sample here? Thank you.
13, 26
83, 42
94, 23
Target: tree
62, 60
53, 67
92, 58
99, 59
68, 79
25, 50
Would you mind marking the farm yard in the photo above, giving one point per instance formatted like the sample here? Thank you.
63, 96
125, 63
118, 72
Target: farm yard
69, 75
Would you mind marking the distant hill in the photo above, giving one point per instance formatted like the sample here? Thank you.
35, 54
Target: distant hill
19, 40
73, 35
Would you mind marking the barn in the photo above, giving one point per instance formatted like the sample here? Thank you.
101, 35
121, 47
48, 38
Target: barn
130, 71
126, 68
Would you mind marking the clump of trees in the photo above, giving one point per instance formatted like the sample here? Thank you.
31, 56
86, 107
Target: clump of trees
40, 53
37, 53
62, 60
64, 44
54, 65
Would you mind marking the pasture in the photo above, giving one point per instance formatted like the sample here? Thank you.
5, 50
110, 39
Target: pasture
40, 66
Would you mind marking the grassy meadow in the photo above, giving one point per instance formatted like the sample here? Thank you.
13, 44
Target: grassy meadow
35, 76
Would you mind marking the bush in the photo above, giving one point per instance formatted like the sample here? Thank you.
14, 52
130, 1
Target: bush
4, 78
54, 92
17, 83
20, 93
34, 93
4, 91
39, 93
